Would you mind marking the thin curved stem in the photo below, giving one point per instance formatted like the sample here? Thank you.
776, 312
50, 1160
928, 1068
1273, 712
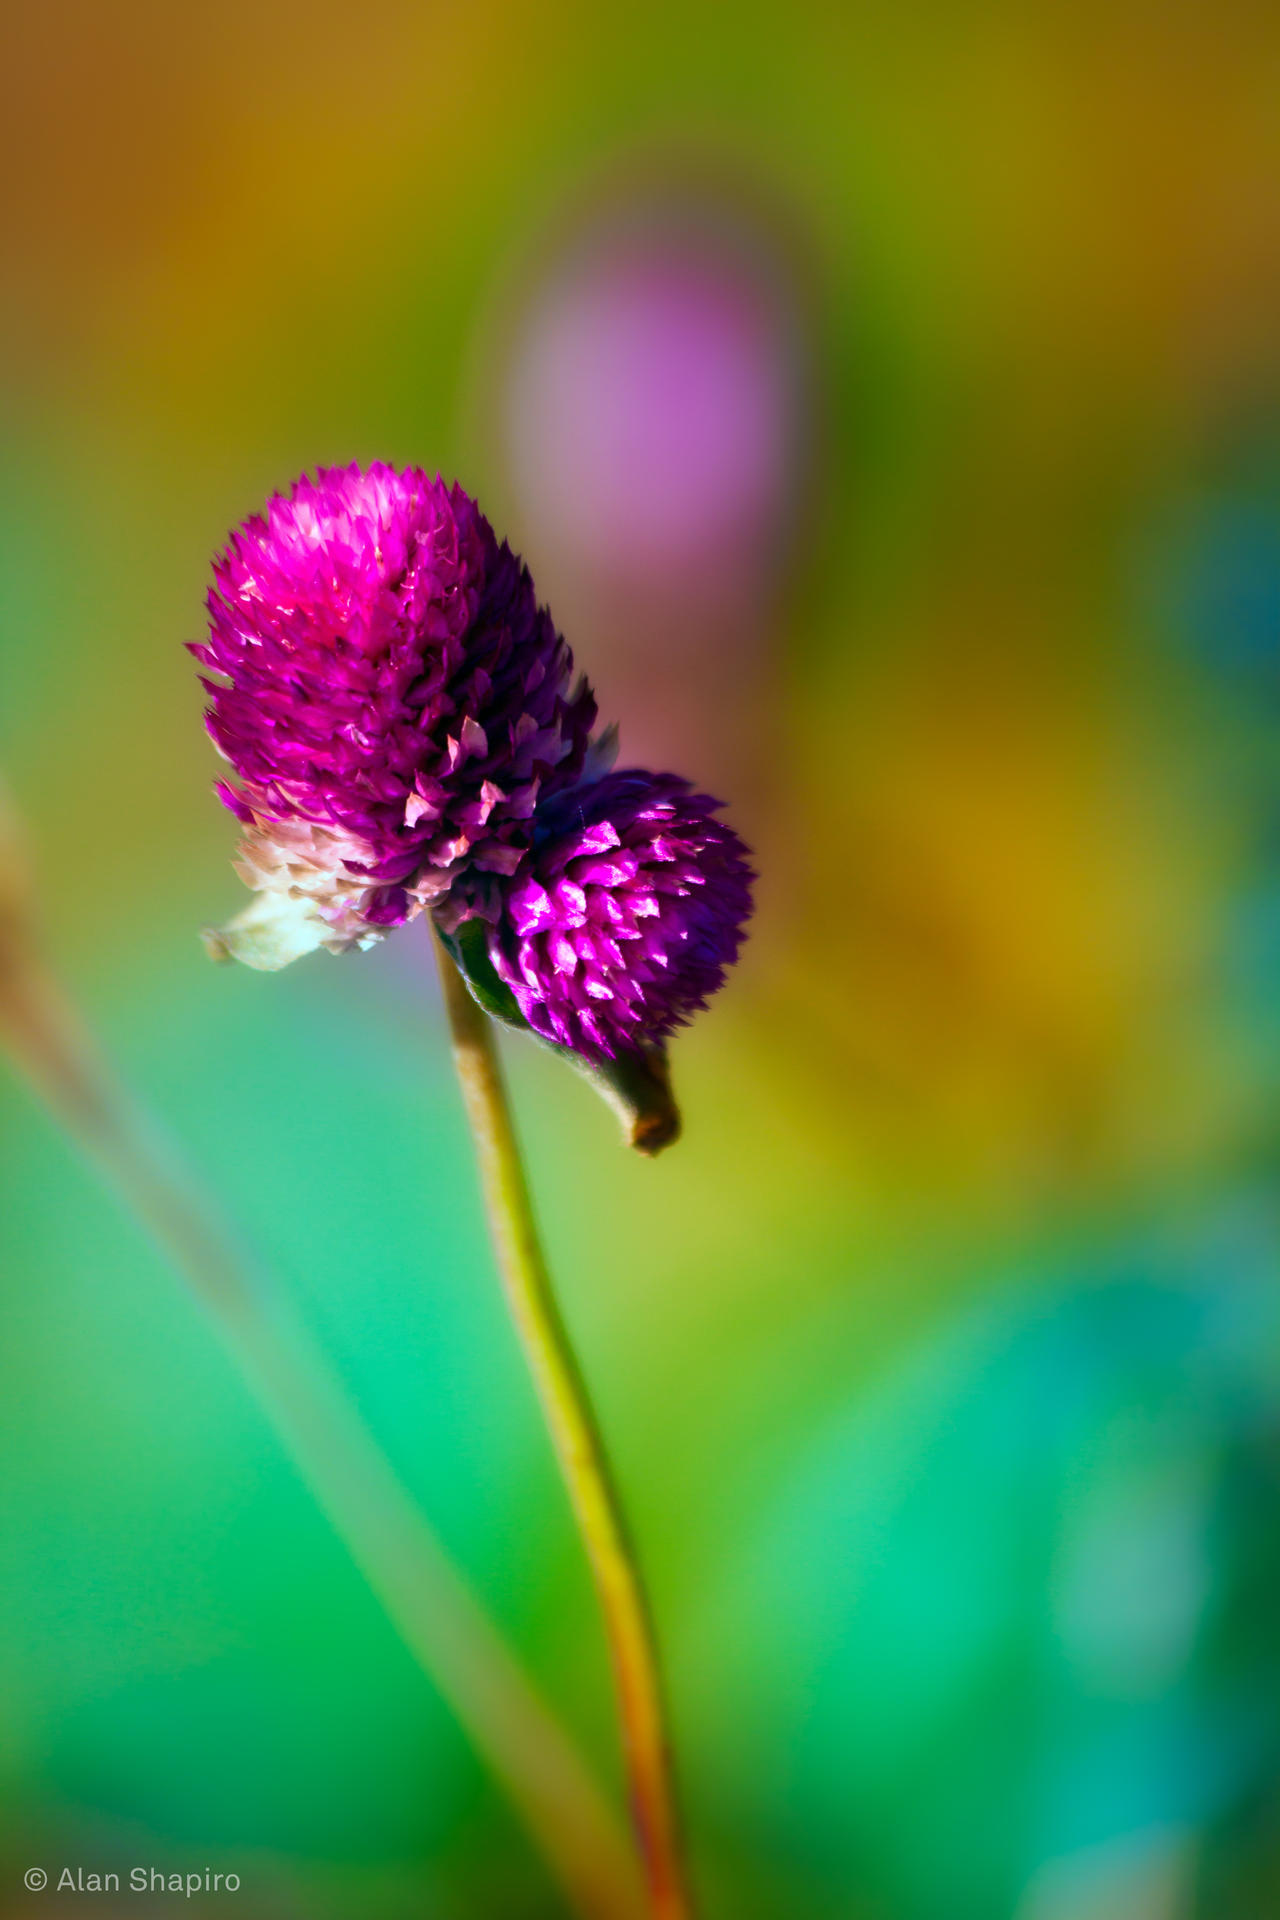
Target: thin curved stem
440, 1620
578, 1444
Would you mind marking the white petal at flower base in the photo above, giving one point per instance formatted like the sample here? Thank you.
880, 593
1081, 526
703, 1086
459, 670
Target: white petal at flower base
277, 928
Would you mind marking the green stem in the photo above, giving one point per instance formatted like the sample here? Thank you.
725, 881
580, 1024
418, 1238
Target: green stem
579, 1447
441, 1622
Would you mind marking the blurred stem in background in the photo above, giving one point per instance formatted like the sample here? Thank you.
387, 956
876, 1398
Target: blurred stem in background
425, 1596
578, 1444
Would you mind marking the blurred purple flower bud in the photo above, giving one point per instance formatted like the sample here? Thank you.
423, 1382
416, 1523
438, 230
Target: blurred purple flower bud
652, 408
654, 395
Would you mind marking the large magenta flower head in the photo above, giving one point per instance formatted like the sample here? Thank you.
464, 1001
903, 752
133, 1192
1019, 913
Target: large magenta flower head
625, 916
393, 698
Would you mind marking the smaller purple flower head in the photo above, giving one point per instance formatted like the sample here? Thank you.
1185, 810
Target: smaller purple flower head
394, 700
625, 916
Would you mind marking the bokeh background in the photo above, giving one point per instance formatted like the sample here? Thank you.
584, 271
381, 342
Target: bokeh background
888, 403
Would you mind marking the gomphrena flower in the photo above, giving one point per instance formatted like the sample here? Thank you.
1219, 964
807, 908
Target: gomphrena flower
393, 699
626, 914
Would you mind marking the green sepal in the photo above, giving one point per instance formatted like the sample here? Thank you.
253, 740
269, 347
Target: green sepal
638, 1087
468, 948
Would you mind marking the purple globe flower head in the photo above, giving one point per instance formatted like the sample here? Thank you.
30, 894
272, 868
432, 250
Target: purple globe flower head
625, 916
393, 699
